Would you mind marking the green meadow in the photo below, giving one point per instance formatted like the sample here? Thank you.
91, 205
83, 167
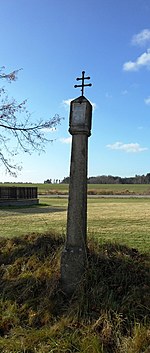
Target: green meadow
126, 221
98, 188
110, 310
92, 188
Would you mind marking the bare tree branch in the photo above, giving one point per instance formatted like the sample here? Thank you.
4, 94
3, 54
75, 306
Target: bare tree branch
11, 76
17, 128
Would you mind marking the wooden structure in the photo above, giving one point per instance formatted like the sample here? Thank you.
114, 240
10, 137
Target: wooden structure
17, 195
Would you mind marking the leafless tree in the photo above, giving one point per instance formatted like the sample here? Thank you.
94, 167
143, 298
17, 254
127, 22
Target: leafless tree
16, 128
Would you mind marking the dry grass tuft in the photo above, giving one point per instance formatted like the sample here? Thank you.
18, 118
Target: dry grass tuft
108, 313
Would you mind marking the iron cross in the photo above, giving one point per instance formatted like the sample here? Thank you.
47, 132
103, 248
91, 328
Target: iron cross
83, 84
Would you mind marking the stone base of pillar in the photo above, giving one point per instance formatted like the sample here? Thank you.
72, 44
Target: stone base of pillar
73, 267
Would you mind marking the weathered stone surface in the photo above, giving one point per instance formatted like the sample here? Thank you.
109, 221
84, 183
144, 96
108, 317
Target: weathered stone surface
77, 206
74, 256
73, 266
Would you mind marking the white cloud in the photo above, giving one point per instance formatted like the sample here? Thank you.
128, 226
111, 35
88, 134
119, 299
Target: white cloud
66, 140
142, 61
129, 66
49, 129
147, 100
66, 103
141, 38
127, 147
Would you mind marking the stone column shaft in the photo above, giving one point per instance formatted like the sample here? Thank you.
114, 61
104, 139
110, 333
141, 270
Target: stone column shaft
77, 205
74, 256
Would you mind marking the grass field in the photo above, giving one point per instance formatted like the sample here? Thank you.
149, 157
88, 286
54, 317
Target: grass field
92, 188
110, 311
126, 221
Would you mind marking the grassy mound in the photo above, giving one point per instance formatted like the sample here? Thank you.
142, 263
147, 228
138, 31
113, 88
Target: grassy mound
110, 311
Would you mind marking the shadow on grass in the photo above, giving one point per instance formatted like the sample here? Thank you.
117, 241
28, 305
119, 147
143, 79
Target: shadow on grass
38, 209
117, 281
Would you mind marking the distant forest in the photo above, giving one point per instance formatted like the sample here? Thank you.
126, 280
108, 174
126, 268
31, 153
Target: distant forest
109, 179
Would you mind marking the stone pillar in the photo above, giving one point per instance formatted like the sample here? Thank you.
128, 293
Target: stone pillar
74, 256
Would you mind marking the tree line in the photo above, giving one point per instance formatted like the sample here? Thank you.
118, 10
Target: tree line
109, 179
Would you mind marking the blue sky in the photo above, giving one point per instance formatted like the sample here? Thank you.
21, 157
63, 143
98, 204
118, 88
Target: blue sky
53, 41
